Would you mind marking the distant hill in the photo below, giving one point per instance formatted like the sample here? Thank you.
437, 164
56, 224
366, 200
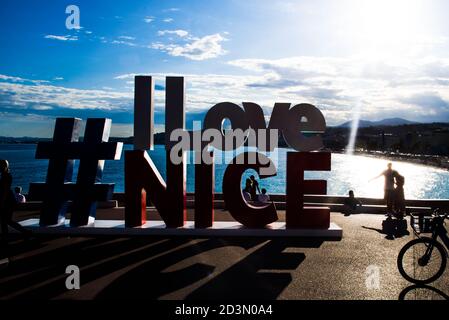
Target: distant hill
159, 138
384, 122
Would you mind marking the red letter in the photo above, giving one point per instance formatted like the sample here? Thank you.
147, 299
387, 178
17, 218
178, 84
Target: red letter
247, 214
141, 175
204, 192
298, 216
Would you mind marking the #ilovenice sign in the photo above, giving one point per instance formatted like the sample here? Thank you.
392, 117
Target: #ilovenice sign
301, 126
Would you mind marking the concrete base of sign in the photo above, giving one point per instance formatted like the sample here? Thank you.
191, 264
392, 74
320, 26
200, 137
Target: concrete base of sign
157, 228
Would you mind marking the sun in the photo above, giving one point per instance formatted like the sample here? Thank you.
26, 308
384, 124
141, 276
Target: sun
383, 27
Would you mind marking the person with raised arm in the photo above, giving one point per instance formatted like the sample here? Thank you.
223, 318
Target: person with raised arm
389, 192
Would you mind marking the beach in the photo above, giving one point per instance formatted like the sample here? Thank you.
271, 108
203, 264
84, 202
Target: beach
441, 162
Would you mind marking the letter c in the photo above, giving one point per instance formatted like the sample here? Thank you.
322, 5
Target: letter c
243, 212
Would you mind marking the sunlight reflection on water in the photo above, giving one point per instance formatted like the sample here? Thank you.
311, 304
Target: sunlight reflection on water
348, 172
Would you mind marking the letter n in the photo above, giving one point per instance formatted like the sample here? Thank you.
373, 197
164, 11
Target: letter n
141, 175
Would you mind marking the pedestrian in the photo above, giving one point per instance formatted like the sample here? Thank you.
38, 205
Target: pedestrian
7, 203
399, 198
389, 193
254, 188
351, 204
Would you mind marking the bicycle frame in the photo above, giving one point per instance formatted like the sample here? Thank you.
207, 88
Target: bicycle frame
434, 225
438, 231
442, 233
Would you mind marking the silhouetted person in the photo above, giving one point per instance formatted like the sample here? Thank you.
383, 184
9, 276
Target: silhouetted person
254, 188
247, 190
389, 193
20, 198
263, 197
7, 203
351, 204
399, 199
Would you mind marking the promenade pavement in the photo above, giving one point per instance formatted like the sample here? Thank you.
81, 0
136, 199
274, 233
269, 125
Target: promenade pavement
360, 266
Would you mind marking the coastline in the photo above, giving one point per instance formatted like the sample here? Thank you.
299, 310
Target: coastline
440, 162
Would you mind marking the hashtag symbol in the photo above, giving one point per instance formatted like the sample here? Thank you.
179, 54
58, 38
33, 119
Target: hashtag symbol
62, 152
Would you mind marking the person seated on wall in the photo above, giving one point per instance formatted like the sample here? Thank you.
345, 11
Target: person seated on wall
247, 190
246, 196
20, 198
351, 204
263, 198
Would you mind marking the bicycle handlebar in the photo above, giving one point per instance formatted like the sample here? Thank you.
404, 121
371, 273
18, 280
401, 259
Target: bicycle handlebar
436, 213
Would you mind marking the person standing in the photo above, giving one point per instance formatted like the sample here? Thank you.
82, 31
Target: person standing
7, 203
389, 193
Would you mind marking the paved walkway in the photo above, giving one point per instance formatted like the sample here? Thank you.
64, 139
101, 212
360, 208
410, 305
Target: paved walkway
180, 268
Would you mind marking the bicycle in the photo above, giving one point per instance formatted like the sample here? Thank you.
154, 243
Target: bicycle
423, 260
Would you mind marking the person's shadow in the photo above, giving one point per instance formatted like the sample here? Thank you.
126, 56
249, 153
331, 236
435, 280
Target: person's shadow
392, 228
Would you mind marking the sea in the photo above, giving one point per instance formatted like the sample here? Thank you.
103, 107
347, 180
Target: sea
349, 172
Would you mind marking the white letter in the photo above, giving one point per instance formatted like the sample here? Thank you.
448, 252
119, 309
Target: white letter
73, 280
177, 152
73, 20
372, 277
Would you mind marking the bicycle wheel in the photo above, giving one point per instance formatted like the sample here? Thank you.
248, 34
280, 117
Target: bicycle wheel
419, 265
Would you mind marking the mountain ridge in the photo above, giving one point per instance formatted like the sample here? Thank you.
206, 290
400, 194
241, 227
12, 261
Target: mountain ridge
378, 123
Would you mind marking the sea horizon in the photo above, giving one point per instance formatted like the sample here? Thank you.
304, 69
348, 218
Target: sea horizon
349, 172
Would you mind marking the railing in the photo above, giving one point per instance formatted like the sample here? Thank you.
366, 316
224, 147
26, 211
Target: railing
335, 203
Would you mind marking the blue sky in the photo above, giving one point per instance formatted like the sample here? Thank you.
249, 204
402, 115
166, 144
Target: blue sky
377, 59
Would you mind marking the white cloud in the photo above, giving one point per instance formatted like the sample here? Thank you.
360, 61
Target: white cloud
127, 38
337, 85
148, 19
61, 38
37, 95
168, 20
411, 89
415, 89
203, 48
172, 10
127, 43
41, 107
179, 32
13, 79
19, 79
125, 76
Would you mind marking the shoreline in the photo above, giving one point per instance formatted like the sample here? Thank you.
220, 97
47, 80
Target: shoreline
440, 162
